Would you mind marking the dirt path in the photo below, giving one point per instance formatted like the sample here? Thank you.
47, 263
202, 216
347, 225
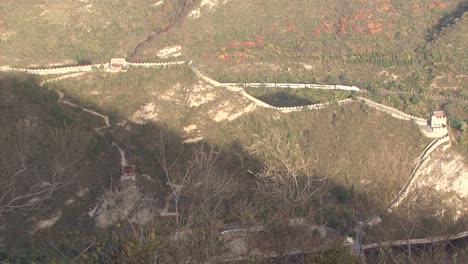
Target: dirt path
123, 161
107, 124
187, 6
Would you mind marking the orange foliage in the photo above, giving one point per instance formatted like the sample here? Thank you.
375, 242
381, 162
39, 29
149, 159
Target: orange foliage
327, 26
384, 8
437, 4
224, 57
374, 26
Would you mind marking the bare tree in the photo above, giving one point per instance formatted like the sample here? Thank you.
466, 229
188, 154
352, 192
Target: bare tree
33, 160
205, 188
287, 176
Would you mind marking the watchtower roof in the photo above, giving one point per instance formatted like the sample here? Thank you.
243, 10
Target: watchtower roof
118, 61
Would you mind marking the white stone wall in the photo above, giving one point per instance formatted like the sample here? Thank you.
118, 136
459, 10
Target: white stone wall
295, 86
155, 64
85, 68
60, 70
394, 110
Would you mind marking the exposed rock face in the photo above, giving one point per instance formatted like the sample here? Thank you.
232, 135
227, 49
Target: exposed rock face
127, 203
145, 113
446, 174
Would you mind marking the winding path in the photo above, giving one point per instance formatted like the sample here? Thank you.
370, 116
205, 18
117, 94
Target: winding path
61, 99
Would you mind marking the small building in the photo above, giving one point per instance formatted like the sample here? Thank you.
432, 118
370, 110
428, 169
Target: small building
118, 64
438, 121
127, 172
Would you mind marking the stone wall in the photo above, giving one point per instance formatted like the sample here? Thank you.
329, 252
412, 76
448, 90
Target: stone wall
414, 173
155, 64
295, 86
85, 68
393, 109
60, 70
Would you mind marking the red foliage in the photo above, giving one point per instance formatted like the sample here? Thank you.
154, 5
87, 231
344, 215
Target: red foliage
327, 26
357, 29
291, 26
343, 22
234, 44
259, 41
250, 44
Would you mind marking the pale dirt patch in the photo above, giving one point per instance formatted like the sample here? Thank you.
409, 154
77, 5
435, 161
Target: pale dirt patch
126, 203
193, 140
447, 174
49, 222
210, 5
44, 13
95, 92
144, 114
82, 192
196, 13
386, 74
69, 201
199, 94
6, 36
169, 95
308, 66
228, 111
190, 128
168, 52
158, 3
87, 8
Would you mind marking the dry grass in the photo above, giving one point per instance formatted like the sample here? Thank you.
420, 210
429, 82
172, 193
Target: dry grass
68, 32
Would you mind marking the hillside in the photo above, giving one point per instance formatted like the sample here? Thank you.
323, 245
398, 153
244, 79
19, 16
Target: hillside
359, 42
48, 151
234, 131
43, 33
335, 139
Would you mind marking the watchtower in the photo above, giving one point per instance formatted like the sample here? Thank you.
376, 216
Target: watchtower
438, 121
118, 64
